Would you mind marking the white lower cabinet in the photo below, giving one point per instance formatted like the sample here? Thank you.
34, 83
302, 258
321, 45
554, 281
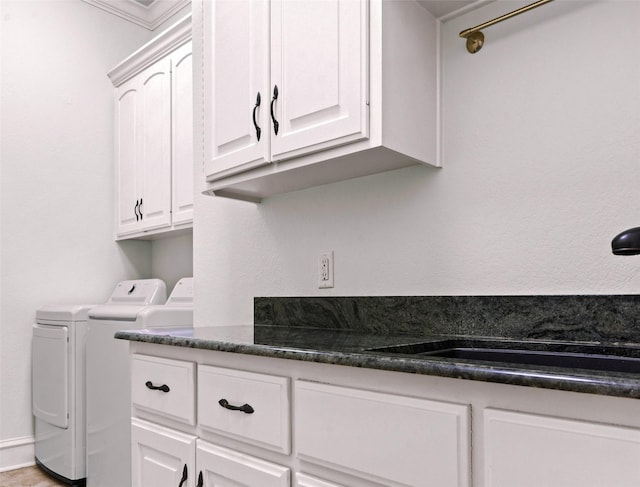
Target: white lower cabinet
163, 457
246, 421
528, 450
164, 391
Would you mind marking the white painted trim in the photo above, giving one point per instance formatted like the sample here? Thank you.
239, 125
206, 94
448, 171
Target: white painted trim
157, 48
17, 453
148, 17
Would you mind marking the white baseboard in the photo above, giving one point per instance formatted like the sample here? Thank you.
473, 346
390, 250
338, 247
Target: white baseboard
17, 453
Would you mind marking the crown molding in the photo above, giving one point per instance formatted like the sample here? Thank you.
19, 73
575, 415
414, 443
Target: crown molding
157, 48
149, 17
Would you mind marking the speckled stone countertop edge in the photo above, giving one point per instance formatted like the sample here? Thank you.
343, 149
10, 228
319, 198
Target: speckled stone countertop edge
591, 382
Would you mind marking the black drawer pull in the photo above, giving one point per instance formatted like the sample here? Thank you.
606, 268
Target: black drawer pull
245, 408
163, 387
200, 480
184, 476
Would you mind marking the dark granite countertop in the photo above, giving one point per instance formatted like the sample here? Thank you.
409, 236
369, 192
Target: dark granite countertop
349, 348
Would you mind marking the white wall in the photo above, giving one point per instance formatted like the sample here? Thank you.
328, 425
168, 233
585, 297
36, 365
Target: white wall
541, 169
172, 259
57, 228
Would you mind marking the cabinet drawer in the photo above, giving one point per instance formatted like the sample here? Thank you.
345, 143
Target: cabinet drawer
391, 439
221, 391
164, 386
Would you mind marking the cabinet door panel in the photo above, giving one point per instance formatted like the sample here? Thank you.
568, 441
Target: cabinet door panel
160, 455
239, 58
182, 135
318, 52
390, 439
155, 163
221, 467
127, 133
529, 451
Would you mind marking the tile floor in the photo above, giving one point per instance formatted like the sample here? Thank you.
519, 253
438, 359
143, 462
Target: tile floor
27, 477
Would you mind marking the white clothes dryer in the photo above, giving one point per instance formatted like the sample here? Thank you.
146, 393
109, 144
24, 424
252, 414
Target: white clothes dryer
109, 380
57, 382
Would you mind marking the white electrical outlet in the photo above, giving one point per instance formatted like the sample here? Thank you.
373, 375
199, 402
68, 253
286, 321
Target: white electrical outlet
325, 270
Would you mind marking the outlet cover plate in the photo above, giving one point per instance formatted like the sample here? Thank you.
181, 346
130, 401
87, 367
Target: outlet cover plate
325, 270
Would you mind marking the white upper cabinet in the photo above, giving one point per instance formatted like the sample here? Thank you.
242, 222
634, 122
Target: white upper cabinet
298, 94
308, 97
154, 136
182, 135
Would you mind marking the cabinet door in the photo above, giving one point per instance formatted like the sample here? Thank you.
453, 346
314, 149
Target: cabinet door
221, 467
182, 135
161, 457
530, 451
128, 130
389, 439
319, 65
154, 167
238, 48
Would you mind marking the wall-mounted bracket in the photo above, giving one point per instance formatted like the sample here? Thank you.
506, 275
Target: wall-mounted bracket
475, 38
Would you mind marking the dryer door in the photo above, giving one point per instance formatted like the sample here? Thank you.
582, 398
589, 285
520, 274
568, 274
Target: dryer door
50, 369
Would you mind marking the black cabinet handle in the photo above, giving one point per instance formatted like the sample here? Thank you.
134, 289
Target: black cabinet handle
135, 210
255, 124
184, 476
200, 480
245, 408
273, 117
140, 210
163, 387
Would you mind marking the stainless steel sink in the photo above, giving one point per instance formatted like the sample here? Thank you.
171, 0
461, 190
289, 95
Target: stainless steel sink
609, 358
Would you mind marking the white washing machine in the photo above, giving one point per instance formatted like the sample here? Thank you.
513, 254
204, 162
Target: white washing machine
109, 381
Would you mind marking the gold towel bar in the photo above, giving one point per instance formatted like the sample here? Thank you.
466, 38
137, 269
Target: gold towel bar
475, 38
